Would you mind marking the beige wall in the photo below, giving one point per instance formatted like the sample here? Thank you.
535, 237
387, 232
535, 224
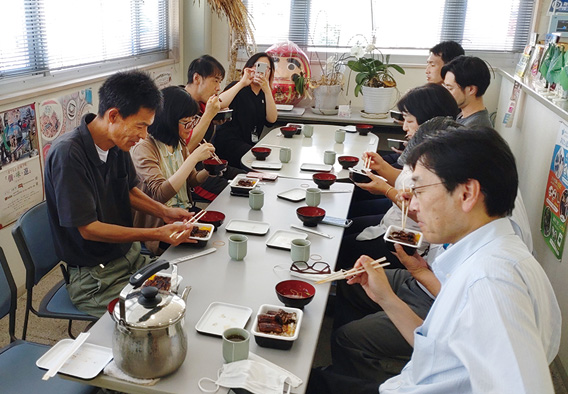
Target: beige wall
532, 139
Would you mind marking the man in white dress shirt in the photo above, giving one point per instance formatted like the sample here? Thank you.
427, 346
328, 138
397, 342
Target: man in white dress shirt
495, 324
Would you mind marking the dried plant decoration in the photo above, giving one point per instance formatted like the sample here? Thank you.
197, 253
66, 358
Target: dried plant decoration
241, 26
237, 15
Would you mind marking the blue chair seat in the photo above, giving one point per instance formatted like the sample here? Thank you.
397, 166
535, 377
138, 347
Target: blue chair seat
21, 375
32, 234
58, 301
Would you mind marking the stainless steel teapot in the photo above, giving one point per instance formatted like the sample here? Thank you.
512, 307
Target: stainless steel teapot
149, 339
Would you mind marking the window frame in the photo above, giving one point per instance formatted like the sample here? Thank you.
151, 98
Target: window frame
28, 85
404, 57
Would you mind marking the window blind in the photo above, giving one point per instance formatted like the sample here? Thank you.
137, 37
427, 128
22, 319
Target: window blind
485, 25
40, 36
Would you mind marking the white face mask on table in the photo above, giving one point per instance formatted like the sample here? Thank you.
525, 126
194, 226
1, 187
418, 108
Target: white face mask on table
256, 377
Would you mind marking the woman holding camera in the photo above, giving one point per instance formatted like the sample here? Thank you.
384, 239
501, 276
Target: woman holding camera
253, 108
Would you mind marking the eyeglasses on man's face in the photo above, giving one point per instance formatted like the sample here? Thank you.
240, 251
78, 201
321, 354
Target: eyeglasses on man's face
414, 188
319, 267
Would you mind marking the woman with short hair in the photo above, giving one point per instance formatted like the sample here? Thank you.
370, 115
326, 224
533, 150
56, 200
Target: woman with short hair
163, 162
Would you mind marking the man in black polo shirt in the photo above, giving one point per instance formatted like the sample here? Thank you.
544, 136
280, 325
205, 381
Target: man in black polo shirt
90, 185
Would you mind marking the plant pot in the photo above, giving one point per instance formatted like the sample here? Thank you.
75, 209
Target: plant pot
377, 100
326, 97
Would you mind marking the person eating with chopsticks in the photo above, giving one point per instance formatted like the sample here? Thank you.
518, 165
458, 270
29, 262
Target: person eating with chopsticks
495, 323
204, 77
163, 161
91, 188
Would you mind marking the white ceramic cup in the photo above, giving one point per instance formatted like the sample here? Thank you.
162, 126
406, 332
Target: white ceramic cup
235, 344
256, 199
285, 155
329, 157
313, 197
300, 249
308, 130
238, 246
339, 136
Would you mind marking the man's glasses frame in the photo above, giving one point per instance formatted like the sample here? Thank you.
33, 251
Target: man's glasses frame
414, 188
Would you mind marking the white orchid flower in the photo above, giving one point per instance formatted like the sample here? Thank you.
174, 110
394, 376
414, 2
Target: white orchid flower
357, 51
370, 48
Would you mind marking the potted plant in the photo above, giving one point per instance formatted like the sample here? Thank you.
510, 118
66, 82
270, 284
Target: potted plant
326, 88
374, 79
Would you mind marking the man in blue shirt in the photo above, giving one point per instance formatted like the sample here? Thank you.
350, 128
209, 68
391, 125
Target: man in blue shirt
495, 324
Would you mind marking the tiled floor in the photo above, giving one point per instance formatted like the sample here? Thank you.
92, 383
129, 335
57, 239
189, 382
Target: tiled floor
46, 331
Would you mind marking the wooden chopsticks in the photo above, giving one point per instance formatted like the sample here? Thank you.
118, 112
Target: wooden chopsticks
367, 163
196, 217
339, 275
404, 209
214, 155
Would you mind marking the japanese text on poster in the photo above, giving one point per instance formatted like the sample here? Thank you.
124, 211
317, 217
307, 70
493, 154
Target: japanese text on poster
21, 188
555, 211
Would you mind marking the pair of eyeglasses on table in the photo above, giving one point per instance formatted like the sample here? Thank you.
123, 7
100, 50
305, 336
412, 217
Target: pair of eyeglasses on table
319, 267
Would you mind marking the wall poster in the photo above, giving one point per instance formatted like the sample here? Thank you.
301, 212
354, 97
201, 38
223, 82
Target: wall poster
60, 115
21, 187
21, 180
555, 210
18, 134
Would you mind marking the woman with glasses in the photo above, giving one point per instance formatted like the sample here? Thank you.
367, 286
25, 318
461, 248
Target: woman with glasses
253, 108
365, 234
162, 160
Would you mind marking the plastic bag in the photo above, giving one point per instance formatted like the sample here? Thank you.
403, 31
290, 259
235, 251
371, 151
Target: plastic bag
563, 75
556, 64
546, 58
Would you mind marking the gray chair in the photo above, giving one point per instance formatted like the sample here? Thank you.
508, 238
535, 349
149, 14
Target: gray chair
32, 234
17, 360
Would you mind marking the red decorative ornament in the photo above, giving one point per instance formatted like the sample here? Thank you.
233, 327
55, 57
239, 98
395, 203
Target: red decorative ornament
289, 61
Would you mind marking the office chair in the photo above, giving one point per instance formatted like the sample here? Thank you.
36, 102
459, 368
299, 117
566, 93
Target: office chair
17, 360
32, 234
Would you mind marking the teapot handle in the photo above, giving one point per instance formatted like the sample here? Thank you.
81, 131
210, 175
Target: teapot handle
138, 278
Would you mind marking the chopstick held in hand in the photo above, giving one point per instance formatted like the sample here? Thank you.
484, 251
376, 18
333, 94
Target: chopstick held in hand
214, 155
339, 275
196, 217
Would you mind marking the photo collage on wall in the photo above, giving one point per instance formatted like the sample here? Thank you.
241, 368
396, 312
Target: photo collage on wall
60, 115
18, 134
21, 185
555, 210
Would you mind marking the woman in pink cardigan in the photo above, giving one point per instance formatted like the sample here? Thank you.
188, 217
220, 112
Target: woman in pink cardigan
163, 162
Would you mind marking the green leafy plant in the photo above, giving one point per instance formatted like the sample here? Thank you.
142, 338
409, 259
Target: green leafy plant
373, 72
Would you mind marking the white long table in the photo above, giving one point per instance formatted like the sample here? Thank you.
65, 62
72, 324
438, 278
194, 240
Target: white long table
310, 150
217, 278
